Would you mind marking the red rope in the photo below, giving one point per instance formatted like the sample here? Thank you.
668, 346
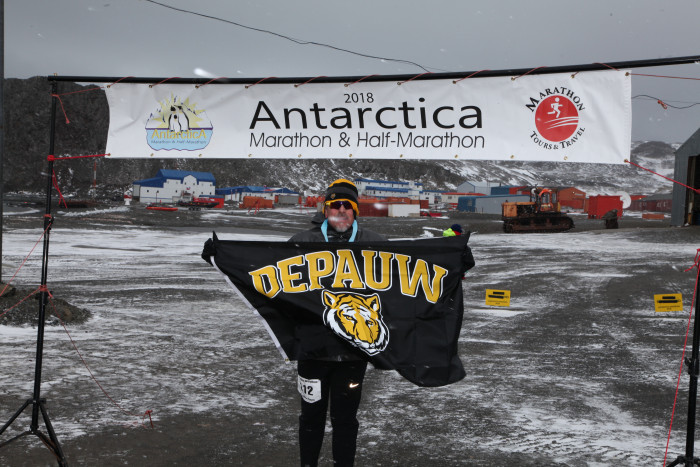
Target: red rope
644, 74
466, 77
148, 412
19, 303
598, 63
361, 79
417, 76
51, 157
609, 66
54, 180
120, 79
44, 288
516, 77
696, 190
62, 108
269, 77
161, 82
58, 96
685, 344
662, 76
79, 91
208, 82
308, 81
22, 263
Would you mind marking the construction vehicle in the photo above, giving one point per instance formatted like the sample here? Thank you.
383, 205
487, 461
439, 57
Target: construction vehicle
541, 214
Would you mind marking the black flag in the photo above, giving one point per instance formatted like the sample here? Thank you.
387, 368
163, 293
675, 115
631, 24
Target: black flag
398, 303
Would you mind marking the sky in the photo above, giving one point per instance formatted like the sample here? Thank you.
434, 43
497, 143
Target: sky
264, 38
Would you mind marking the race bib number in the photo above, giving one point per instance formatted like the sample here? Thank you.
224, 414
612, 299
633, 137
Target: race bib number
310, 389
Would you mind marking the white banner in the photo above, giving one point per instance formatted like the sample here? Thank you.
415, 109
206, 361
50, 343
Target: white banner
584, 117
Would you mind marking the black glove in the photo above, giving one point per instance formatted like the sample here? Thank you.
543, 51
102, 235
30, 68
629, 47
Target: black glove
209, 249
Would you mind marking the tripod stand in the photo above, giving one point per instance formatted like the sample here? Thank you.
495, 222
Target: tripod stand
693, 366
36, 402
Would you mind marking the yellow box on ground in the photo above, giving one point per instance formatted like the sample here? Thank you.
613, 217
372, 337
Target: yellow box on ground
668, 302
497, 297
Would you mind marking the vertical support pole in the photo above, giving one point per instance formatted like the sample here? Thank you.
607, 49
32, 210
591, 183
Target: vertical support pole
43, 294
37, 403
2, 121
693, 369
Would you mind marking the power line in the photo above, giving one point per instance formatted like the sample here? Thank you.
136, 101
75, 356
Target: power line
292, 39
666, 103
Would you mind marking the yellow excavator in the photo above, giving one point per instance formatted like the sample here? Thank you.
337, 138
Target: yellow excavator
541, 214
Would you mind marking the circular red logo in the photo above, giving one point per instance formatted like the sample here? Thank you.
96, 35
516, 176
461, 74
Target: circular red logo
556, 118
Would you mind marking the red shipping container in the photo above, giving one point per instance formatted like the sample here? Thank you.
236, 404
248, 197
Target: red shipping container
373, 208
601, 204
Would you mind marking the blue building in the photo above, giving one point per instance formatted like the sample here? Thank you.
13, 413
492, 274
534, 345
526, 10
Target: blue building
491, 204
170, 186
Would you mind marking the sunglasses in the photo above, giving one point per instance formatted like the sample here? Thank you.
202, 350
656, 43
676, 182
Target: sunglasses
339, 204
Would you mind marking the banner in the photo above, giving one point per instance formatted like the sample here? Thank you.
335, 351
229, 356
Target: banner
396, 304
583, 117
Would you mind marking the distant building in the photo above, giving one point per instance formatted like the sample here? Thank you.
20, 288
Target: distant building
477, 187
510, 190
236, 194
169, 186
388, 189
655, 203
431, 196
490, 204
452, 197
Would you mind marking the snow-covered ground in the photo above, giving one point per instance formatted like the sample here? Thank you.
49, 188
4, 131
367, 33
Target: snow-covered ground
579, 370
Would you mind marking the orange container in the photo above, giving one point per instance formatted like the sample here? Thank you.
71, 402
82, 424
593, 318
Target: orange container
256, 202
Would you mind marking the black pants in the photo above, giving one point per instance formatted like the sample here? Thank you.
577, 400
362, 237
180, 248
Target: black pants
341, 383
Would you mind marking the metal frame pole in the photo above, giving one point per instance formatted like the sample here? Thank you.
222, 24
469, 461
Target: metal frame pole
38, 404
693, 366
2, 122
694, 370
650, 63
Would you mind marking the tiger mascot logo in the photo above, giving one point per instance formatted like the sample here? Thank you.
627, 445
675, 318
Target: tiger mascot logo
357, 319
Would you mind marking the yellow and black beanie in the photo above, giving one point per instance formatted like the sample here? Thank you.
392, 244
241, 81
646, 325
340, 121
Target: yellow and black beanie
342, 189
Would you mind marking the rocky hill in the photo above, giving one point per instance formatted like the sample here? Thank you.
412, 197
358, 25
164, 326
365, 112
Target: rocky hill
82, 124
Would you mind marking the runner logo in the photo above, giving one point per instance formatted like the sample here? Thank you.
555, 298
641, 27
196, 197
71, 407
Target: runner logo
556, 118
557, 122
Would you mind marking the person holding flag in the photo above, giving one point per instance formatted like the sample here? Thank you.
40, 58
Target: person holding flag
337, 296
328, 368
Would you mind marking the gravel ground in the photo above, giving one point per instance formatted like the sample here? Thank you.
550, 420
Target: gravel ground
576, 372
